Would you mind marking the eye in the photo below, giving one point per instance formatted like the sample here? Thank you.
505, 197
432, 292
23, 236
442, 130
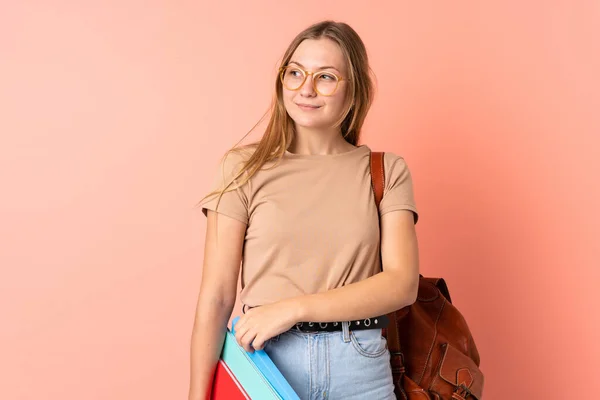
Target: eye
294, 72
327, 77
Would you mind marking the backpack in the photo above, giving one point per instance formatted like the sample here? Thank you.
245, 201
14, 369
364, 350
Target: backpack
433, 354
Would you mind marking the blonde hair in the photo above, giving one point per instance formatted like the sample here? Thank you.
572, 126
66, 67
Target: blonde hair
280, 129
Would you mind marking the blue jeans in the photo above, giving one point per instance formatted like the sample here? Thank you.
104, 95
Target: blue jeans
349, 365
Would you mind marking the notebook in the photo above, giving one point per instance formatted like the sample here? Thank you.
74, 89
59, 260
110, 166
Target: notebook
241, 375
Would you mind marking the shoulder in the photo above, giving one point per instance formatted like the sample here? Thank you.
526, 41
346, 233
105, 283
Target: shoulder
395, 164
228, 167
234, 159
392, 158
239, 154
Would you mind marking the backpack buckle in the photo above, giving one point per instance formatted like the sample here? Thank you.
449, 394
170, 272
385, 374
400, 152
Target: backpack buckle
462, 392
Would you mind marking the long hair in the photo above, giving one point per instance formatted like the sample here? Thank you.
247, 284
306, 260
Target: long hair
280, 129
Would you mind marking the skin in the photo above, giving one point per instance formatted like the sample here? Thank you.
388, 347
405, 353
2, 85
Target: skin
389, 290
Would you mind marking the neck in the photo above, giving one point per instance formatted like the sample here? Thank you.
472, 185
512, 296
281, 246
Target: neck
318, 141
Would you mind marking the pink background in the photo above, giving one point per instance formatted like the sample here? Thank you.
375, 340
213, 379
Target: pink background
114, 114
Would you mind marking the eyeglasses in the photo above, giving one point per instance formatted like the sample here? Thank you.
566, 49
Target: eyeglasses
325, 83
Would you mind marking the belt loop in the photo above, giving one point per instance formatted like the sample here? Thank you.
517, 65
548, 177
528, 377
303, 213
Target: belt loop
346, 331
275, 338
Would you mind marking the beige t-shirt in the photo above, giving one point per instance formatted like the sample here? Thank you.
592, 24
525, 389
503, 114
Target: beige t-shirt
311, 221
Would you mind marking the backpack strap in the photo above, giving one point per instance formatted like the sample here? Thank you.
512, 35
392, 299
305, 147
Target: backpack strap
391, 332
377, 176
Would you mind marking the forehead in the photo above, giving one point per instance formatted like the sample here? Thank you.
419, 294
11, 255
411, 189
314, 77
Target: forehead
316, 53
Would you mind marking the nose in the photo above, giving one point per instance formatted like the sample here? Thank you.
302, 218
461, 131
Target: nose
307, 88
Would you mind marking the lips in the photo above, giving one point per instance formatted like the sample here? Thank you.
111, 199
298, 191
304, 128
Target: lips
309, 106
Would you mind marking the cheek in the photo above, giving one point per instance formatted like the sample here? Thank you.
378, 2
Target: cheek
288, 100
336, 104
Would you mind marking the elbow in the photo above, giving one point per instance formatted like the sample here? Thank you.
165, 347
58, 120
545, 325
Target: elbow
408, 293
412, 293
413, 289
213, 308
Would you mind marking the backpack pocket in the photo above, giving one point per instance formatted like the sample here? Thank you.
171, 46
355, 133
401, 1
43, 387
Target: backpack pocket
458, 372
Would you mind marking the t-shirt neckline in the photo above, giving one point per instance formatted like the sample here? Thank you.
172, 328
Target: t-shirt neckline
326, 156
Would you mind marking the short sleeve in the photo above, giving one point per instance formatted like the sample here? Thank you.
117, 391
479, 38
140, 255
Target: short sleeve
233, 203
398, 192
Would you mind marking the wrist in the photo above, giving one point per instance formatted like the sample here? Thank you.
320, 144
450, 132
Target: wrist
298, 309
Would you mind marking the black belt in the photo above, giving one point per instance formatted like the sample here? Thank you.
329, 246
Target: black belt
359, 324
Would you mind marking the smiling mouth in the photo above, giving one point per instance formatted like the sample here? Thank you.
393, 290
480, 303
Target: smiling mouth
307, 106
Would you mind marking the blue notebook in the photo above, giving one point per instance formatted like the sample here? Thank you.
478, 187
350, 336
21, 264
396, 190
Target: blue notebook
263, 363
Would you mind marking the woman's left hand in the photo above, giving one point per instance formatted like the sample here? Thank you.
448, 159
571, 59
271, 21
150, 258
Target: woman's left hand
262, 323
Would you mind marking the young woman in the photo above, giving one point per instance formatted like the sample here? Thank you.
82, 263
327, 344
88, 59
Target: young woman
296, 212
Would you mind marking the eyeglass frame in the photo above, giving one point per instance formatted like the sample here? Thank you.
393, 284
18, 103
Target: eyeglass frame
314, 85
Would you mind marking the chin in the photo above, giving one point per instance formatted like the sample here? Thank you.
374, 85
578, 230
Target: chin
311, 123
308, 123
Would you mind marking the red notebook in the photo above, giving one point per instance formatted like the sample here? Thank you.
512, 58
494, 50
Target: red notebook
226, 386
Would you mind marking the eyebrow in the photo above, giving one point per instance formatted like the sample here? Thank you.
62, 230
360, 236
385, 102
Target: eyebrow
325, 67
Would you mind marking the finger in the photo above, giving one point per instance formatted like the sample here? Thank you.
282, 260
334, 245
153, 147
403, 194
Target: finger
240, 323
247, 340
258, 343
239, 334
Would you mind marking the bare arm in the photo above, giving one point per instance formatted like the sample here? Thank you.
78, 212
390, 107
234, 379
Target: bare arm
387, 291
216, 300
